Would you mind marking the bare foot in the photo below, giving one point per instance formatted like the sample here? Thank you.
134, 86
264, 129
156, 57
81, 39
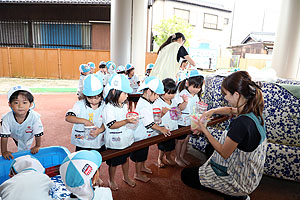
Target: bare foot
180, 163
129, 181
170, 161
160, 164
185, 161
113, 186
142, 178
146, 170
99, 182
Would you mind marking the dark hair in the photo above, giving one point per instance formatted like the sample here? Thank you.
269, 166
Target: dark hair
169, 86
113, 97
15, 95
128, 71
102, 66
241, 83
172, 38
122, 72
184, 61
196, 81
87, 102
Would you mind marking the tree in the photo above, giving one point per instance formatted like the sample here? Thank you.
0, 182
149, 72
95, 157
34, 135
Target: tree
167, 27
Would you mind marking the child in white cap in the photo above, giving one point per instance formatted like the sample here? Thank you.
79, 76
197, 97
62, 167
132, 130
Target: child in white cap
117, 135
79, 171
21, 123
133, 79
84, 71
149, 69
151, 88
182, 69
189, 94
27, 181
120, 69
88, 129
111, 67
92, 66
102, 69
165, 102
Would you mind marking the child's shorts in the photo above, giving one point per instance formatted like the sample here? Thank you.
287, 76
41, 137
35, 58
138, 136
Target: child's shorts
120, 160
103, 148
182, 137
139, 155
167, 145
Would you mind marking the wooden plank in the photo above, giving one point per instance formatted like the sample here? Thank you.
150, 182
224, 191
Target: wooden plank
112, 153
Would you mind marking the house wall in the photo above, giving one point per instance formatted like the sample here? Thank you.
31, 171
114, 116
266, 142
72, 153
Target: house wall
219, 38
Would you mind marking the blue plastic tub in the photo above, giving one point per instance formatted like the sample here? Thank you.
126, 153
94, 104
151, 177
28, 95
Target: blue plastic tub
48, 156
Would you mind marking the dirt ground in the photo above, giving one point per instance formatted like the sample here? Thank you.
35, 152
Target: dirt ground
7, 83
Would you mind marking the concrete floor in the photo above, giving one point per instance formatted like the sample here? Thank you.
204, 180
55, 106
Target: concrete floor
165, 182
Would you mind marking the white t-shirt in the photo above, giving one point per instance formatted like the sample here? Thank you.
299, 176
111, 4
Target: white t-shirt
166, 119
145, 110
189, 109
134, 83
101, 193
119, 138
23, 133
27, 185
81, 110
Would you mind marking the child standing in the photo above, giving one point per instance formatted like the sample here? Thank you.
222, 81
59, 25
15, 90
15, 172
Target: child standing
118, 136
133, 79
189, 94
149, 69
182, 69
92, 66
151, 88
110, 71
21, 123
87, 112
84, 71
120, 69
165, 103
102, 69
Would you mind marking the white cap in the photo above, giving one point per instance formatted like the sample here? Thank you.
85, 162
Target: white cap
92, 85
153, 84
27, 162
15, 89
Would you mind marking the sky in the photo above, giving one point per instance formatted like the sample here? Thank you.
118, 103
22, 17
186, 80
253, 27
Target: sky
253, 16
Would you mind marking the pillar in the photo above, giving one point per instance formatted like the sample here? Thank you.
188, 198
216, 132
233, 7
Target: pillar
286, 52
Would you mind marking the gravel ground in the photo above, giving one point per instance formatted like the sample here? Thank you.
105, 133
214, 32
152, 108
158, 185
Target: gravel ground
7, 83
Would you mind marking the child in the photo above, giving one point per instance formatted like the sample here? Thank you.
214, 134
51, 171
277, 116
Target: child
133, 79
102, 69
27, 180
118, 136
165, 103
151, 88
80, 172
189, 94
92, 66
84, 71
110, 71
182, 69
21, 123
149, 69
87, 112
120, 69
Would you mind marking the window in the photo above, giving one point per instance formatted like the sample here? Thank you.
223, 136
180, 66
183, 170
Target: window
226, 21
184, 14
210, 21
14, 34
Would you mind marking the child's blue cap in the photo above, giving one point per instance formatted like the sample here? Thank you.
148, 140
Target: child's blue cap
120, 68
92, 85
83, 68
153, 84
92, 65
129, 66
110, 64
77, 171
150, 66
194, 73
120, 82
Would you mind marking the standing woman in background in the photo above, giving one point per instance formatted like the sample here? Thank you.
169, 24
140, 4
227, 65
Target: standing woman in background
169, 54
